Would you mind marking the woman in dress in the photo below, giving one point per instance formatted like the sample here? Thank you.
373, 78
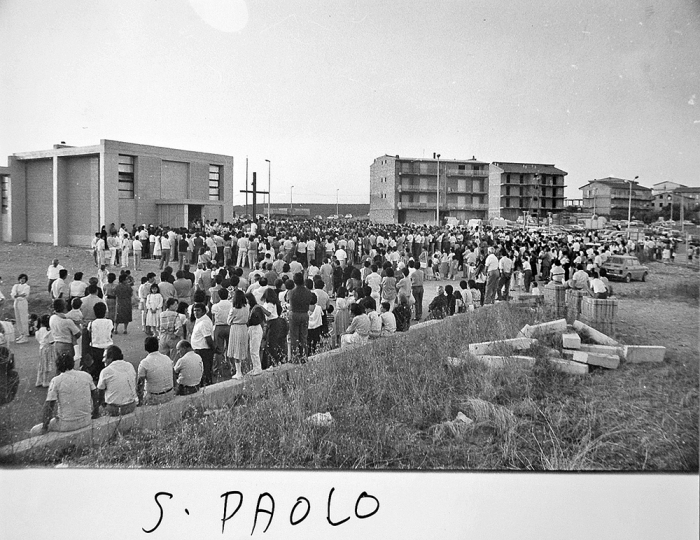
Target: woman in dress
123, 292
388, 287
111, 296
20, 292
342, 313
47, 360
238, 335
256, 320
154, 306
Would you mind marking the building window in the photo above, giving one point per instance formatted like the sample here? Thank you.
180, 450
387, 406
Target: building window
214, 182
126, 177
5, 193
507, 179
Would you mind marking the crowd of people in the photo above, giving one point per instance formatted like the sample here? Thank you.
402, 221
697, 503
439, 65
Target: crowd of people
263, 294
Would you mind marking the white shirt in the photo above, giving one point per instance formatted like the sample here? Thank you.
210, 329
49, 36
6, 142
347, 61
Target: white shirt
203, 327
118, 380
72, 390
53, 271
189, 369
491, 262
158, 371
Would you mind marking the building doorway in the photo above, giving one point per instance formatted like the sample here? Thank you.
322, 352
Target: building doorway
194, 213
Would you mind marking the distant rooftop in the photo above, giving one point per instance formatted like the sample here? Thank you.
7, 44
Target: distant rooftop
520, 168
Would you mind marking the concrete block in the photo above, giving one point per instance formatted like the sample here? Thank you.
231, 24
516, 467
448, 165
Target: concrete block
506, 361
568, 353
551, 327
568, 366
594, 334
643, 353
601, 349
487, 347
571, 340
610, 361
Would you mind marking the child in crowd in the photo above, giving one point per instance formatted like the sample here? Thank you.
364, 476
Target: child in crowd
76, 315
154, 306
388, 320
429, 275
47, 361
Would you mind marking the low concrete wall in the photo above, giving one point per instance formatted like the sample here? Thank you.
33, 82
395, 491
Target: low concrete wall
154, 417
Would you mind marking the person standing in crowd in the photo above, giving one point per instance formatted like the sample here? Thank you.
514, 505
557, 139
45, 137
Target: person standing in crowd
238, 335
505, 268
164, 251
47, 359
154, 306
202, 340
299, 302
59, 287
275, 343
52, 274
20, 293
110, 296
155, 376
123, 293
63, 330
220, 312
415, 274
169, 329
117, 384
256, 320
100, 335
492, 276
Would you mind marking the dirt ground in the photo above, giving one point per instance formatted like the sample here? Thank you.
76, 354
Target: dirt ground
647, 315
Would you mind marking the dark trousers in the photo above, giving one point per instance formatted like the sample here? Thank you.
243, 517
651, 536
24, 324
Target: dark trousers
418, 296
504, 287
299, 333
208, 361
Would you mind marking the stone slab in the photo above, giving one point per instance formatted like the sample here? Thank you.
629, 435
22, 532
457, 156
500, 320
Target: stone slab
635, 354
610, 361
487, 347
571, 340
551, 327
569, 366
506, 361
601, 349
594, 334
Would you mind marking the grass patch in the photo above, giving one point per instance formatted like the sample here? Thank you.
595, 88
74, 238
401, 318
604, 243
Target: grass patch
389, 399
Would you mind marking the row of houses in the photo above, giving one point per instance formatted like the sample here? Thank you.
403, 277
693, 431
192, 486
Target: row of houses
65, 194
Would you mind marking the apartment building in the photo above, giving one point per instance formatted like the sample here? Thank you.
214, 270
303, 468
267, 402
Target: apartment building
610, 197
516, 189
412, 190
64, 195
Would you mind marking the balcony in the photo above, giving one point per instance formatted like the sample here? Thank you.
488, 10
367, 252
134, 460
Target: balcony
457, 206
416, 189
414, 206
472, 174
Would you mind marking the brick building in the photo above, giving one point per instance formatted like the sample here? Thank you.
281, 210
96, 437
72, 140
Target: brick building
519, 188
405, 190
64, 195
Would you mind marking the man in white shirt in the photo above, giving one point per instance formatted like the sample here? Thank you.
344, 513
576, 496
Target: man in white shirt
53, 272
155, 375
505, 267
220, 312
117, 383
189, 369
59, 288
164, 251
202, 340
492, 276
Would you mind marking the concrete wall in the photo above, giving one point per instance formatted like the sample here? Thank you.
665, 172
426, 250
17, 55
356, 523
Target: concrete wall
174, 180
39, 200
383, 179
81, 186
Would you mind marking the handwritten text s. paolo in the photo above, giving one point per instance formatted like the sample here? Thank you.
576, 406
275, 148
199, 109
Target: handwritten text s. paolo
366, 506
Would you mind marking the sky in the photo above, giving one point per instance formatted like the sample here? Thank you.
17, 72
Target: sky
597, 88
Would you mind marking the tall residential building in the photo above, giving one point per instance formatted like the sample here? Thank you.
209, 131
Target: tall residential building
405, 190
610, 197
64, 195
525, 188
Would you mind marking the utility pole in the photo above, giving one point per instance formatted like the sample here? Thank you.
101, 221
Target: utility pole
337, 213
437, 190
246, 185
269, 187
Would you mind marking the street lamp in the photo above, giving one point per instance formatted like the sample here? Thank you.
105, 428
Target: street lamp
629, 209
290, 200
269, 184
337, 213
437, 191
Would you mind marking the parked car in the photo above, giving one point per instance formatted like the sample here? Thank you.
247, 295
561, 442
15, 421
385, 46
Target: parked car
625, 267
